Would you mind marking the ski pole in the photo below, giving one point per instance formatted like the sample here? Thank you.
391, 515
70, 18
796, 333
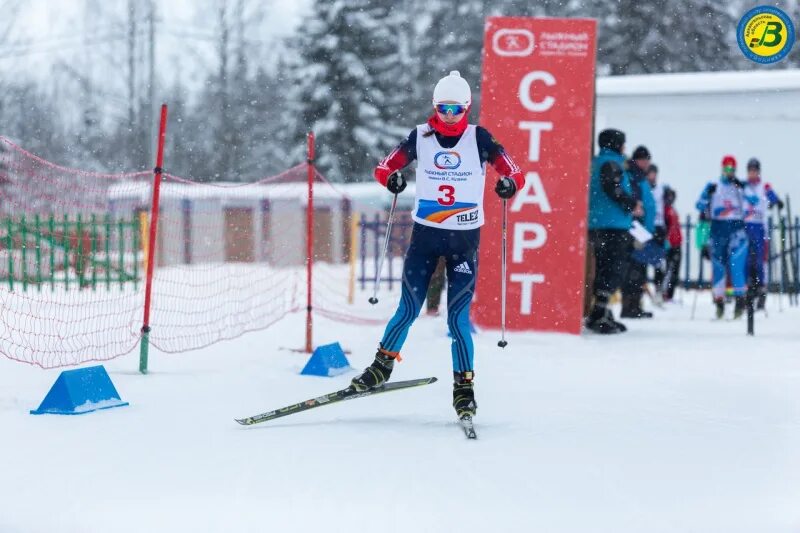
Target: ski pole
502, 342
750, 311
699, 281
793, 271
374, 299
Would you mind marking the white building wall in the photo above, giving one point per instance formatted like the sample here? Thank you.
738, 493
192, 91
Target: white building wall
208, 231
689, 121
689, 127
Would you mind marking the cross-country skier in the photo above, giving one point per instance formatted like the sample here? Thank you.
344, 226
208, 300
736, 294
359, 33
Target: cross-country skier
448, 213
758, 197
728, 238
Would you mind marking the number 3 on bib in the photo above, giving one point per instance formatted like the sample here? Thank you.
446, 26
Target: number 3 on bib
449, 195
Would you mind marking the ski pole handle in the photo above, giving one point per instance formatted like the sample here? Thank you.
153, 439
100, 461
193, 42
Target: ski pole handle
374, 299
502, 342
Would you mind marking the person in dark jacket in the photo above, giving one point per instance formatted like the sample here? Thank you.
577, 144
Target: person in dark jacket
611, 210
633, 286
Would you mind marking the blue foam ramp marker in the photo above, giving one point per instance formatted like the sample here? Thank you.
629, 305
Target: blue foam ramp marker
80, 391
327, 360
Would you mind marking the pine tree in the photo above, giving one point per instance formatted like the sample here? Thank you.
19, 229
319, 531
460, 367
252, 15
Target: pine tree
672, 36
339, 94
451, 38
260, 102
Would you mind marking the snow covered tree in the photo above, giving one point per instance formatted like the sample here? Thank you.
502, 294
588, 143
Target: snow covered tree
673, 36
451, 38
344, 52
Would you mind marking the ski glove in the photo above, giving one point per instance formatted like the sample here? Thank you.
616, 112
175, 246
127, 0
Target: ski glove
505, 188
396, 183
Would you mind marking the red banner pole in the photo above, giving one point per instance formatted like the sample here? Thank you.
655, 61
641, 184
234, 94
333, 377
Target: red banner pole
145, 343
309, 240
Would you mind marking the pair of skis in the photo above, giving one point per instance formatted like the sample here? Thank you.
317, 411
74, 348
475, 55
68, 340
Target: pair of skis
349, 393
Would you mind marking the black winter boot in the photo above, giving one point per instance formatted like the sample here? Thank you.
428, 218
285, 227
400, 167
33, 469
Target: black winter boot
600, 320
632, 308
378, 372
620, 326
464, 394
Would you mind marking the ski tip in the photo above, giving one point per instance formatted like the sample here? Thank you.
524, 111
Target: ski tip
244, 421
433, 379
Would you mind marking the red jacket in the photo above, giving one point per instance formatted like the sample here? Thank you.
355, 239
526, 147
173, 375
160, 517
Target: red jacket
673, 224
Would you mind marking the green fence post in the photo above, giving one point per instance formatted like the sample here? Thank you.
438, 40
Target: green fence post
121, 229
80, 261
10, 238
24, 226
38, 226
66, 252
52, 240
92, 257
108, 251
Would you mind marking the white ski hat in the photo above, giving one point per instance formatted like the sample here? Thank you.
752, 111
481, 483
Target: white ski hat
452, 88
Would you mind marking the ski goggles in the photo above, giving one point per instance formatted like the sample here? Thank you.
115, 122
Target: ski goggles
729, 169
455, 109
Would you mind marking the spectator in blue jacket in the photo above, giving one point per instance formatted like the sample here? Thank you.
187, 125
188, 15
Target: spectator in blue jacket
611, 210
636, 276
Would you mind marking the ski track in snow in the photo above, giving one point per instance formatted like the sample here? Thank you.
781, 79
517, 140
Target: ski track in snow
676, 426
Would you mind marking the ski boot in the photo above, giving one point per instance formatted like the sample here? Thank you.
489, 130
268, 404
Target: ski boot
720, 305
740, 308
464, 394
378, 372
761, 300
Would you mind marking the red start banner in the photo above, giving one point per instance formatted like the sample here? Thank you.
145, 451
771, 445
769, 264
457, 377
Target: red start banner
537, 99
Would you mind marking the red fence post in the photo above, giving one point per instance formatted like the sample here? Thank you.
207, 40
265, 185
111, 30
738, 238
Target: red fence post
145, 343
309, 240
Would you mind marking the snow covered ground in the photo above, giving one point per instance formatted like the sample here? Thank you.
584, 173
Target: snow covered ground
677, 426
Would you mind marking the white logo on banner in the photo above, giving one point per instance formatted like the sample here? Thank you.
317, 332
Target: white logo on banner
508, 42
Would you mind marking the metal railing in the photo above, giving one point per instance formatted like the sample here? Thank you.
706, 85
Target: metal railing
782, 261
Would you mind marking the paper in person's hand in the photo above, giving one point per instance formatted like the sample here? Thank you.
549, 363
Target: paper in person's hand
640, 233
